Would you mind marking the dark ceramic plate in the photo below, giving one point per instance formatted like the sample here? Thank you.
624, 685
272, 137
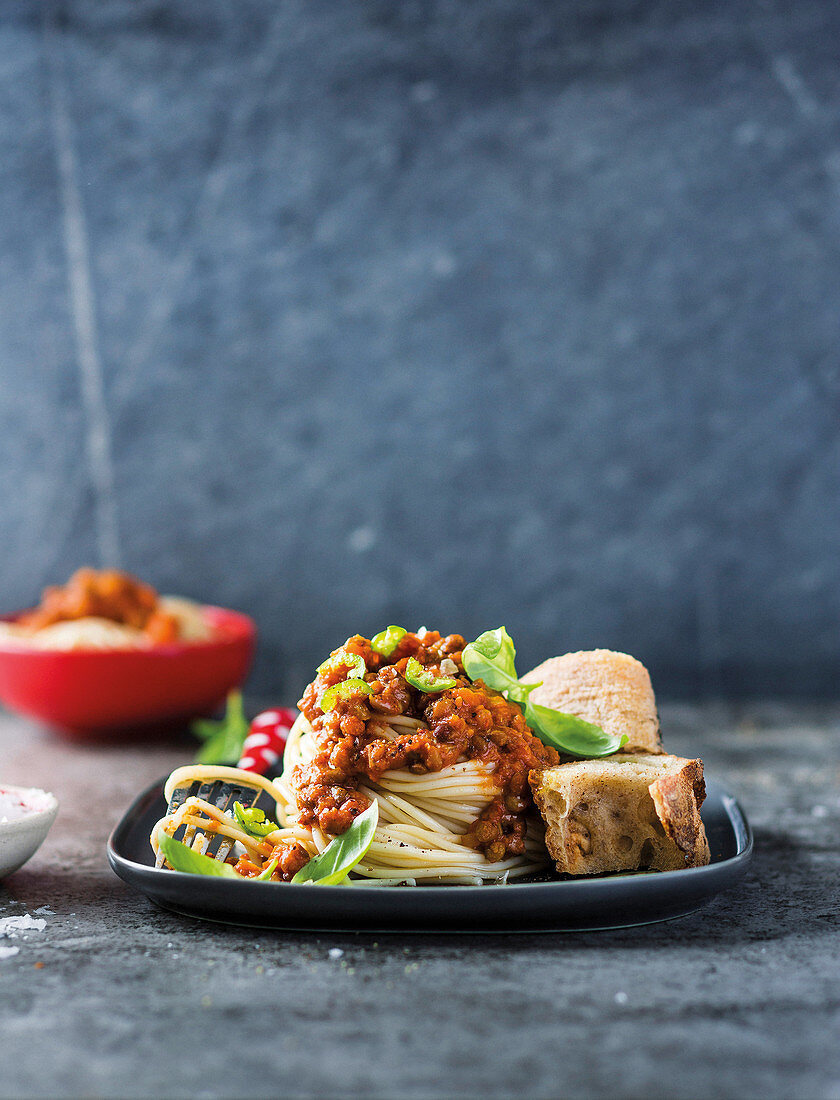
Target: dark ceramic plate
612, 901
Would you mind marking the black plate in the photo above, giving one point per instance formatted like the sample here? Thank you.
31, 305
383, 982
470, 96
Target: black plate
613, 901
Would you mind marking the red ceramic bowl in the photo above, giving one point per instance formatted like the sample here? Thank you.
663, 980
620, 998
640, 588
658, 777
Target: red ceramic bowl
91, 692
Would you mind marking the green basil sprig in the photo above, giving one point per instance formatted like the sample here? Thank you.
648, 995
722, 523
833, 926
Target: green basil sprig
353, 662
223, 740
386, 641
253, 820
424, 679
491, 658
342, 690
343, 853
182, 858
570, 734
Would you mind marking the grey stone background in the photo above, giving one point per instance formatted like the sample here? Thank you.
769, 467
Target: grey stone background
351, 313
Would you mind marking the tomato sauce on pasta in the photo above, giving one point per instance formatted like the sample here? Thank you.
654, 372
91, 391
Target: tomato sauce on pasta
359, 740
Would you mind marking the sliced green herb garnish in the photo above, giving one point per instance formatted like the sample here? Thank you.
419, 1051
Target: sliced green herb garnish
343, 853
253, 820
353, 662
223, 740
569, 734
342, 690
182, 858
492, 658
387, 640
424, 679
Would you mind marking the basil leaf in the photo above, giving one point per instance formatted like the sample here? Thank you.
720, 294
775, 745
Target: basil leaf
343, 853
496, 647
341, 691
479, 667
424, 679
570, 734
386, 641
519, 692
491, 658
182, 858
253, 821
353, 662
268, 872
223, 740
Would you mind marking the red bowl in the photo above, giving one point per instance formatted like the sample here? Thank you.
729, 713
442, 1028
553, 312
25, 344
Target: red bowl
90, 692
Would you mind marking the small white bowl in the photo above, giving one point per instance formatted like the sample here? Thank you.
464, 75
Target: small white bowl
30, 814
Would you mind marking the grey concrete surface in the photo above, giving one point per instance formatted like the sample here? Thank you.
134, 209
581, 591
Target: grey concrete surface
117, 998
353, 313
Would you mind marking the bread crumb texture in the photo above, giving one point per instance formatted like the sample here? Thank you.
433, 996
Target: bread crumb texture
626, 812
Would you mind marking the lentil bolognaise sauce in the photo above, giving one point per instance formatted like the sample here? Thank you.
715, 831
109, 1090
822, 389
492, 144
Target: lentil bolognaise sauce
359, 738
106, 594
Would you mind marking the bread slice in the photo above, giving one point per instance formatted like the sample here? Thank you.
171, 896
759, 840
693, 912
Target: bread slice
611, 690
626, 812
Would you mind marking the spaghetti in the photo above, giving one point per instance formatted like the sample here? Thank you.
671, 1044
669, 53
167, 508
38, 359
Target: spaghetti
445, 759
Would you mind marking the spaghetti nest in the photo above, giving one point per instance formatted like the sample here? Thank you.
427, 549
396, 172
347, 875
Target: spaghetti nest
445, 758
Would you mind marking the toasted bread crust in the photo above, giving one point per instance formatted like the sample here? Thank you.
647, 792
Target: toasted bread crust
611, 690
678, 799
623, 813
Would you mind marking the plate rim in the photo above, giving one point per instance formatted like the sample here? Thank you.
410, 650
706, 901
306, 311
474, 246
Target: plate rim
728, 867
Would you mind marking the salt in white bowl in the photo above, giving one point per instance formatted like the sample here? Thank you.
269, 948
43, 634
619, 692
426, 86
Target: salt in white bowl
26, 814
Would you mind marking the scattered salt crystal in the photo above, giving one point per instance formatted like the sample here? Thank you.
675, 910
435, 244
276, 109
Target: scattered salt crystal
16, 802
44, 910
7, 952
335, 952
819, 811
621, 998
11, 926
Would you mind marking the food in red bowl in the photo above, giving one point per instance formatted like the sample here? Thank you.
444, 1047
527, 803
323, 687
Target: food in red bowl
107, 654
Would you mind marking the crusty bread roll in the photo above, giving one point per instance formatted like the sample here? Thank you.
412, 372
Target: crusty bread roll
611, 690
625, 812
